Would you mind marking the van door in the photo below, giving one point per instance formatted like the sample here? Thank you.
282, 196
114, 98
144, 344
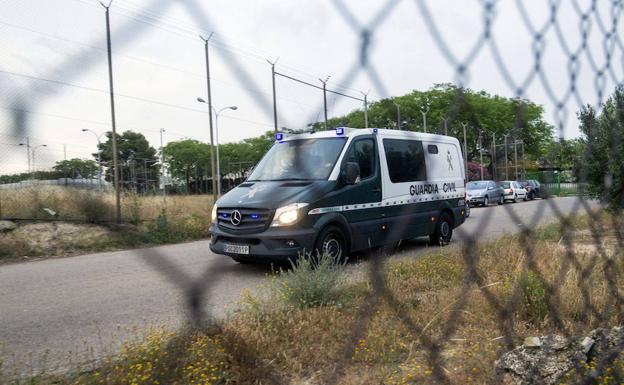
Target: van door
361, 202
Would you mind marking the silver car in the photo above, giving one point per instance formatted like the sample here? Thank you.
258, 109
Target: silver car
484, 192
513, 190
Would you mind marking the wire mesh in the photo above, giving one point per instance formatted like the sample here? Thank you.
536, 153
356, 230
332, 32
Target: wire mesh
594, 28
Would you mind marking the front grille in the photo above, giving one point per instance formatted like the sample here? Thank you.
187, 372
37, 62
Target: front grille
252, 220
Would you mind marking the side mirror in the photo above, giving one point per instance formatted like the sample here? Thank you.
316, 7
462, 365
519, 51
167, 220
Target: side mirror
351, 173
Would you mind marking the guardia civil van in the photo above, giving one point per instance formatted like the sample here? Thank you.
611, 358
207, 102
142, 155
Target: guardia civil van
341, 191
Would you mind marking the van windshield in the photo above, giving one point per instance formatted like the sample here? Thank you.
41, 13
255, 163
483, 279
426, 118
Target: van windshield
299, 159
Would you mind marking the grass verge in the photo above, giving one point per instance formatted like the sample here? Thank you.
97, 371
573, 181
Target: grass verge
467, 306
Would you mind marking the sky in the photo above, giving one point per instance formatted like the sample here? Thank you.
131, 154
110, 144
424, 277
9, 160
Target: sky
54, 73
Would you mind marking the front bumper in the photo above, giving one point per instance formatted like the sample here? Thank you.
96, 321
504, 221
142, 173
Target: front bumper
476, 200
267, 246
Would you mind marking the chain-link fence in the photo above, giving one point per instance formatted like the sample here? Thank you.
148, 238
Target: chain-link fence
596, 26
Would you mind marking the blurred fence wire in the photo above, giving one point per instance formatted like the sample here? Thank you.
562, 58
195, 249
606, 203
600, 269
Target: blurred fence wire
595, 26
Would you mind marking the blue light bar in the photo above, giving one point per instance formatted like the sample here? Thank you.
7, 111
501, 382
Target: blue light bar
375, 130
339, 130
224, 215
279, 136
254, 216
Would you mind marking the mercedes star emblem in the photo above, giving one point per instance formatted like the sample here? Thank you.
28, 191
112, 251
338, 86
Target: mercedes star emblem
236, 218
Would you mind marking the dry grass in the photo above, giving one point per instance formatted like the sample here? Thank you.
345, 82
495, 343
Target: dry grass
468, 307
91, 206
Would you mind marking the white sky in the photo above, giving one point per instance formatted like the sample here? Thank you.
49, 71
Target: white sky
159, 63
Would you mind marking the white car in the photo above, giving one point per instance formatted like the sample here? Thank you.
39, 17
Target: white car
513, 190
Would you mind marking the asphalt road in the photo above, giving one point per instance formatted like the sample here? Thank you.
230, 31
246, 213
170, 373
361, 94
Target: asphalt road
79, 307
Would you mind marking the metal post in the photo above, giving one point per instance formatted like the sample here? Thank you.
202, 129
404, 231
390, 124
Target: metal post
112, 103
27, 151
64, 152
506, 159
494, 156
516, 157
212, 148
465, 152
481, 154
398, 109
325, 98
218, 159
523, 160
162, 164
424, 113
365, 109
274, 95
445, 126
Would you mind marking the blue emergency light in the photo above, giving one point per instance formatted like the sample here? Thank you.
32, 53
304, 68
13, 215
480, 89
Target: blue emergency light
375, 130
339, 130
254, 216
279, 136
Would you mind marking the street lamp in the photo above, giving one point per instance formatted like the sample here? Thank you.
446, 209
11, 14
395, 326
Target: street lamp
99, 155
398, 110
424, 111
217, 112
33, 155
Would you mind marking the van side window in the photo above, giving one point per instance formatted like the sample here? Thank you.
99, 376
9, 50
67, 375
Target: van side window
432, 148
362, 152
406, 160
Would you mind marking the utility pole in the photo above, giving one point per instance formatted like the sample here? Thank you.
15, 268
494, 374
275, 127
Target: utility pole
494, 156
209, 102
516, 157
506, 159
274, 96
27, 144
99, 156
523, 160
365, 109
324, 98
465, 152
398, 109
112, 103
445, 126
64, 152
481, 153
162, 165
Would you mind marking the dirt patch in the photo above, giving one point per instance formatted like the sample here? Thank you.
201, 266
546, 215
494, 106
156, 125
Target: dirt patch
54, 239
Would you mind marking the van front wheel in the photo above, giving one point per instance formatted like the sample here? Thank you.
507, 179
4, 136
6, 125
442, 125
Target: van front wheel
443, 231
332, 243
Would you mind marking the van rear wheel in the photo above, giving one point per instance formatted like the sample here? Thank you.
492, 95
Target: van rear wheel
443, 231
331, 242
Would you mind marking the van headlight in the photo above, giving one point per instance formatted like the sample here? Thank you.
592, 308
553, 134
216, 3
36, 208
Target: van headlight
213, 215
287, 215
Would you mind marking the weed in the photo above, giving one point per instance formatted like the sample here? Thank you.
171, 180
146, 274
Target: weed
310, 281
93, 207
534, 297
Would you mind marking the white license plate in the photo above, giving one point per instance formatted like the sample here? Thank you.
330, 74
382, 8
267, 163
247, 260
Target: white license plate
237, 249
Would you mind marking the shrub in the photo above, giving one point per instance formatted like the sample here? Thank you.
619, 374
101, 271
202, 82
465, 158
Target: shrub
310, 282
93, 207
534, 297
430, 272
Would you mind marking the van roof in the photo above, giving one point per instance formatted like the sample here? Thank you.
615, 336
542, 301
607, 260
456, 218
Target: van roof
386, 133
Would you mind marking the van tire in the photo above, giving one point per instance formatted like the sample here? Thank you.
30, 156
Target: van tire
443, 231
332, 241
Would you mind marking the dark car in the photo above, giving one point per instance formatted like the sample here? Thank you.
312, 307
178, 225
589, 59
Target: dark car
532, 188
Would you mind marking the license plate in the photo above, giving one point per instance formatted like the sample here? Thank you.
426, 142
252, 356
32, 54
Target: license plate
237, 249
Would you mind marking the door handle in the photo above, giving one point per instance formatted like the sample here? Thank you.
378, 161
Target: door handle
376, 190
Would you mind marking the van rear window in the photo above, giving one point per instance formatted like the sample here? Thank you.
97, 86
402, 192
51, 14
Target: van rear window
432, 148
405, 160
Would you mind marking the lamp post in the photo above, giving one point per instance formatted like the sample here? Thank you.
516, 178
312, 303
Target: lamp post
99, 155
424, 111
162, 164
34, 166
217, 113
27, 144
398, 109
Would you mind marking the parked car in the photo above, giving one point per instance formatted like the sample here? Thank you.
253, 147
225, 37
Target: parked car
484, 192
513, 190
532, 187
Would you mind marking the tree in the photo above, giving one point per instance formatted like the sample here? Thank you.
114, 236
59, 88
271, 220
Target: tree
603, 160
188, 159
483, 113
243, 155
138, 164
564, 154
76, 168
